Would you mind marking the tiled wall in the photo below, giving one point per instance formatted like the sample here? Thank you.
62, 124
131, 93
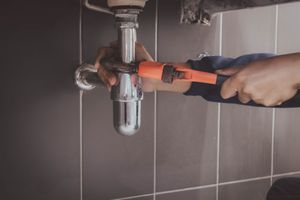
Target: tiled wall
58, 143
39, 104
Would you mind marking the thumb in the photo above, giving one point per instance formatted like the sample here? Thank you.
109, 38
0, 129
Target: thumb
229, 88
229, 71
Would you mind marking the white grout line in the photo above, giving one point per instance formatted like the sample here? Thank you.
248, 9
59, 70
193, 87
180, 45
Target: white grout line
155, 102
80, 31
274, 110
287, 174
219, 115
221, 35
80, 145
156, 31
134, 197
80, 107
272, 145
276, 30
218, 153
212, 185
187, 189
154, 155
245, 180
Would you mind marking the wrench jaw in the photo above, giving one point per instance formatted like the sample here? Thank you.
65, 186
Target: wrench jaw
170, 74
117, 66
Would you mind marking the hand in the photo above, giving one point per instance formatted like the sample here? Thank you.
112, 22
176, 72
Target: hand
148, 85
110, 79
269, 82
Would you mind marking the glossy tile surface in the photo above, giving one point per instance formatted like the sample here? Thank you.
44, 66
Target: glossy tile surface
145, 198
245, 143
115, 166
288, 33
287, 137
256, 190
186, 126
202, 194
249, 31
39, 140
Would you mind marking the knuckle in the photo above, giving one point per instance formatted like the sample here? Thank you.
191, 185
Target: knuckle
225, 89
257, 96
268, 103
248, 88
240, 78
244, 99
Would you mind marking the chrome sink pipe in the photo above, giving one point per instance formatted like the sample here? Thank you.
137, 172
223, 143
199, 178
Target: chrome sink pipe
127, 93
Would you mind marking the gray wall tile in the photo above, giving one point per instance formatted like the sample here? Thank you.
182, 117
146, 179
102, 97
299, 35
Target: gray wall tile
255, 190
249, 31
287, 137
202, 194
245, 149
288, 33
39, 142
180, 42
186, 144
287, 140
245, 142
145, 198
115, 166
186, 126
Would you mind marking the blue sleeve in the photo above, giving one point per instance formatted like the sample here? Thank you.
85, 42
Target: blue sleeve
212, 92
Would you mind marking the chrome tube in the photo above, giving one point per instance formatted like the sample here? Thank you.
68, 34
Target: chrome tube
127, 94
86, 77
